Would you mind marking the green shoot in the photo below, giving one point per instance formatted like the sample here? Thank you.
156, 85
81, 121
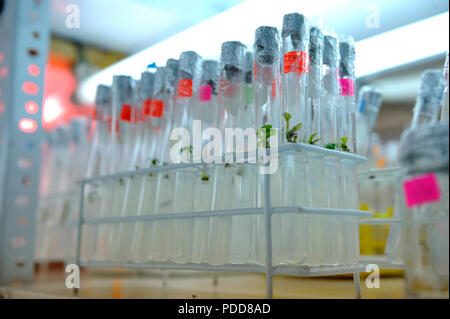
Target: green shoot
205, 177
313, 141
344, 144
264, 134
186, 148
331, 146
291, 134
154, 162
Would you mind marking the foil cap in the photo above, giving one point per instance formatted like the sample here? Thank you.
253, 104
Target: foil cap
266, 45
158, 83
102, 96
232, 54
431, 89
210, 74
210, 71
330, 51
369, 103
145, 88
315, 46
190, 65
295, 27
171, 74
347, 62
122, 91
425, 147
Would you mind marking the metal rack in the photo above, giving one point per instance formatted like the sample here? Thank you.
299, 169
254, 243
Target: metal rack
24, 34
268, 210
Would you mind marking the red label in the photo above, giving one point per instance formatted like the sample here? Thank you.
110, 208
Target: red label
146, 107
110, 125
274, 88
185, 88
296, 61
421, 190
205, 93
347, 87
157, 108
125, 113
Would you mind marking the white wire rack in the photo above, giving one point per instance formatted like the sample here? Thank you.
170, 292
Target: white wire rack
268, 210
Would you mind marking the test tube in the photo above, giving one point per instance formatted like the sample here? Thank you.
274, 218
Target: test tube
369, 103
428, 101
230, 100
189, 73
122, 251
206, 112
444, 107
295, 43
155, 105
347, 115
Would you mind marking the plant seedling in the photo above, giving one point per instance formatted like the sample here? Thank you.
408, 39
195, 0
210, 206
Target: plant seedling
263, 135
291, 134
205, 177
311, 139
331, 146
344, 144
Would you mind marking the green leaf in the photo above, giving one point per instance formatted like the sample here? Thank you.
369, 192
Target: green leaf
205, 177
331, 146
311, 139
344, 144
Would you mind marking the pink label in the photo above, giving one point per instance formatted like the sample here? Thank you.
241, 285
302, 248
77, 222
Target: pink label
205, 93
422, 189
347, 87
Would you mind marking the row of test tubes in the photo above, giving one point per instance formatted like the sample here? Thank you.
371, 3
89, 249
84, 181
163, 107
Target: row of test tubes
301, 84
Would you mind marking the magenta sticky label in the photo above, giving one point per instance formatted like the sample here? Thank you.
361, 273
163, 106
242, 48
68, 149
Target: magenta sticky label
205, 93
421, 190
347, 87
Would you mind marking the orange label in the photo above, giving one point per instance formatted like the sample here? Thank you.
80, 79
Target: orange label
296, 61
147, 107
110, 125
274, 88
157, 108
125, 113
185, 88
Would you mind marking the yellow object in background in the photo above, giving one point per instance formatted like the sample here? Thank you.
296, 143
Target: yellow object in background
372, 238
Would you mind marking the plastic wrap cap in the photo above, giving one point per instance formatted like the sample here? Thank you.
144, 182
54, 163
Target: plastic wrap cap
347, 62
171, 75
190, 64
158, 83
315, 45
146, 85
295, 25
121, 88
266, 45
103, 95
232, 54
210, 70
425, 147
431, 89
330, 50
371, 96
